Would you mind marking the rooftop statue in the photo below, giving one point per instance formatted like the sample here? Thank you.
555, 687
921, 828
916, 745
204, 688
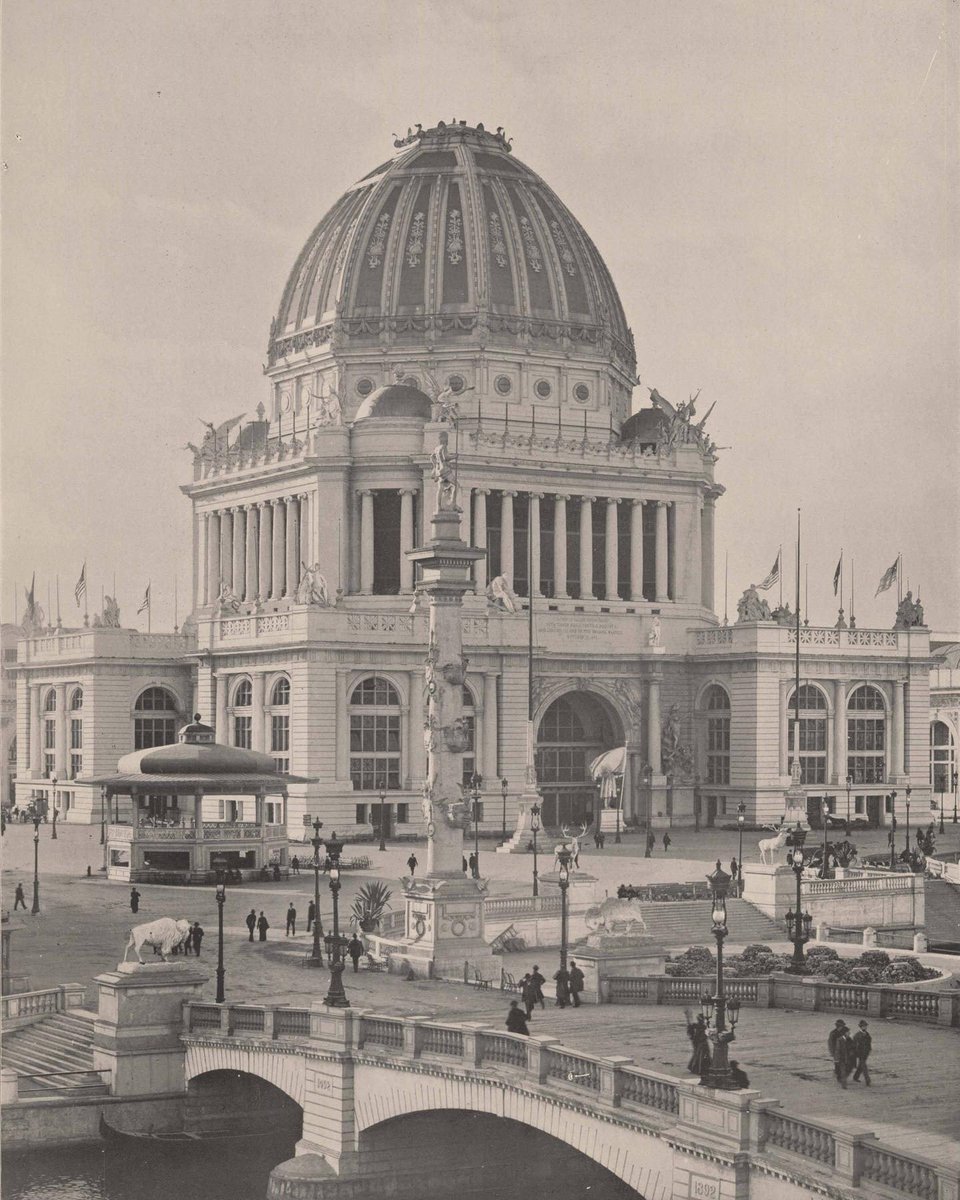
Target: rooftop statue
783, 616
679, 429
110, 617
752, 607
909, 613
444, 476
312, 588
501, 595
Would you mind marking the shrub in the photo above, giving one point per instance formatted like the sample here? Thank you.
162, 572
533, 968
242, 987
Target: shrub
897, 973
874, 959
822, 952
861, 975
697, 960
756, 950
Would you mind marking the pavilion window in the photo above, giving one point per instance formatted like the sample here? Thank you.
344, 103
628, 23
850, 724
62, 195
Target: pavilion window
718, 735
808, 737
280, 724
649, 526
866, 736
386, 542
573, 548
403, 814
942, 758
548, 508
375, 736
521, 560
274, 812
623, 550
159, 728
243, 721
76, 747
50, 701
494, 509
469, 720
599, 526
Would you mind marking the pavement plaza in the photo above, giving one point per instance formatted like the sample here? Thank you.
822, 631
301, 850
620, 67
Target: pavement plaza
914, 1103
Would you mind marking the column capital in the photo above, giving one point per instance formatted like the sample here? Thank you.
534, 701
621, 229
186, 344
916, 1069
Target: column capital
587, 499
663, 503
364, 491
613, 499
563, 496
303, 495
536, 495
275, 501
638, 501
248, 507
483, 491
289, 499
507, 492
409, 491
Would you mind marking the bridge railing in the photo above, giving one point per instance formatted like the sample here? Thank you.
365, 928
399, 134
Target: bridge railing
23, 1008
774, 991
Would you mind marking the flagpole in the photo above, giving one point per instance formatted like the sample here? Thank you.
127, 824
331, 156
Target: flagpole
176, 621
899, 577
853, 619
841, 579
726, 573
806, 594
59, 622
49, 605
780, 561
796, 686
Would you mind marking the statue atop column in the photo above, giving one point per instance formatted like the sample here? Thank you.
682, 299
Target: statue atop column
909, 613
444, 476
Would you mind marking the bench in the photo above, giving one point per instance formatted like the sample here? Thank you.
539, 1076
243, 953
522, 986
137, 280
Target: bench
375, 964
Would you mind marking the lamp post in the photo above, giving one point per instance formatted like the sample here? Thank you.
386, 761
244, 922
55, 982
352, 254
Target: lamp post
475, 784
798, 922
907, 803
336, 997
535, 829
316, 956
103, 816
941, 811
383, 797
218, 865
741, 818
53, 809
36, 862
824, 812
893, 830
503, 793
849, 786
564, 855
717, 1008
956, 786
616, 837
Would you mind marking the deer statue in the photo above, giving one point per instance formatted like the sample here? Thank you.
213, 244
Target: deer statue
772, 845
570, 842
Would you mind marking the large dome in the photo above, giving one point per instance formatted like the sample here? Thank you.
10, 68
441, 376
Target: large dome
452, 239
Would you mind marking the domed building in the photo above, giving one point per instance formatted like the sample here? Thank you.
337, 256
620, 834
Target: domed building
451, 298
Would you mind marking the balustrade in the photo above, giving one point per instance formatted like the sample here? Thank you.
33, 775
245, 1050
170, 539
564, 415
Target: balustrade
637, 1088
202, 1016
247, 1020
502, 1048
380, 1032
438, 1039
571, 1068
799, 1137
893, 1170
842, 997
291, 1022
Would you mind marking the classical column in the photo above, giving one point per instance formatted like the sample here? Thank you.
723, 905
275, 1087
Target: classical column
220, 724
343, 727
406, 539
839, 732
306, 549
653, 726
897, 763
226, 548
784, 727
612, 556
465, 530
406, 724
36, 731
534, 534
60, 751
293, 546
250, 592
707, 568
213, 557
258, 730
586, 547
690, 558
201, 572
265, 555
279, 550
239, 549
560, 545
366, 542
480, 537
414, 730
490, 726
506, 537
636, 550
663, 584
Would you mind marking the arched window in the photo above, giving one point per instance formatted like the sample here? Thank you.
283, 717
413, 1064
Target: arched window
717, 703
375, 736
942, 759
866, 736
280, 724
160, 727
76, 699
76, 733
809, 735
469, 720
50, 701
243, 721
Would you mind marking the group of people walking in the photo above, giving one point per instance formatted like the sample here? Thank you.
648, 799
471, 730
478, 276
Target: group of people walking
569, 986
850, 1052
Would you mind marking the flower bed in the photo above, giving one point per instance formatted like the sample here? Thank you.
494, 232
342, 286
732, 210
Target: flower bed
873, 966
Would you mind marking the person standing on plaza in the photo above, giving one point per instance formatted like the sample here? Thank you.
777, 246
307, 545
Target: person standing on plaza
197, 937
840, 1049
295, 865
699, 1062
262, 926
862, 1044
738, 1075
18, 900
516, 1021
474, 866
187, 943
465, 864
528, 994
412, 863
651, 842
562, 980
355, 950
666, 841
602, 839
291, 921
134, 900
311, 915
576, 983
734, 868
538, 980
252, 921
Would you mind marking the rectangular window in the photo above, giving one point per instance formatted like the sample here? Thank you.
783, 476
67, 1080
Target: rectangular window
866, 768
283, 764
403, 814
361, 816
859, 805
243, 732
49, 735
718, 750
274, 812
76, 734
280, 733
375, 751
48, 765
76, 766
469, 759
153, 731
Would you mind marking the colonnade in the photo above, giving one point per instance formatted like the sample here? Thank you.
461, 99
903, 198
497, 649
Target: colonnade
256, 550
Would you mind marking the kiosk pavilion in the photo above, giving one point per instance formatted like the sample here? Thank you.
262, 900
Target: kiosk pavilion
450, 297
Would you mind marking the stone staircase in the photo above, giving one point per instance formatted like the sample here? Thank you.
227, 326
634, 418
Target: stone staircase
682, 923
941, 911
55, 1055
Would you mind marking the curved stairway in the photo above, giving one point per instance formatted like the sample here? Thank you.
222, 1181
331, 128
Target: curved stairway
54, 1055
682, 923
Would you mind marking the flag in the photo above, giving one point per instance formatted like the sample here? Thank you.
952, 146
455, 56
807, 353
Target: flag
774, 575
889, 576
836, 575
146, 601
81, 589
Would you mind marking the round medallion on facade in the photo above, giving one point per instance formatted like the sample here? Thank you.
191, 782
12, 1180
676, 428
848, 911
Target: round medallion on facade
456, 383
411, 381
582, 393
364, 387
504, 385
543, 389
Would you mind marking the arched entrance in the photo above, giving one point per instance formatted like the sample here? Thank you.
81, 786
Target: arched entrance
575, 728
235, 1102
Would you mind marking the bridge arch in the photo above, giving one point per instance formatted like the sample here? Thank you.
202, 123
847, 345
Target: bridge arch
283, 1067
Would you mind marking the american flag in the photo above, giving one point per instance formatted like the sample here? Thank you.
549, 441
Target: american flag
774, 575
145, 604
81, 589
889, 576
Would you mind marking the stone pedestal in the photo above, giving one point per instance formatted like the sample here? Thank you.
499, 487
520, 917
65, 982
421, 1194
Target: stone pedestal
772, 889
606, 955
444, 927
136, 1035
584, 888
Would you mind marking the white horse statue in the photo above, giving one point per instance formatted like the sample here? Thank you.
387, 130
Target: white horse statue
772, 845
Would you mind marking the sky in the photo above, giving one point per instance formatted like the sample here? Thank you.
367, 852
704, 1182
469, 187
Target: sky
773, 185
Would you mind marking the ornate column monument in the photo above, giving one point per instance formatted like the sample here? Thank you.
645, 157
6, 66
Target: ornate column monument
444, 908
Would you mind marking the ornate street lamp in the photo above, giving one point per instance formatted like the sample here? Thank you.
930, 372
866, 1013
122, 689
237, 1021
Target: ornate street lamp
36, 861
383, 823
893, 830
741, 817
617, 839
535, 829
103, 816
53, 809
824, 813
219, 868
476, 781
849, 786
941, 811
336, 997
956, 787
564, 855
798, 922
717, 1009
503, 793
907, 803
316, 955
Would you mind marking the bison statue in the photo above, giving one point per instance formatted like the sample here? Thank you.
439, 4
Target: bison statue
162, 934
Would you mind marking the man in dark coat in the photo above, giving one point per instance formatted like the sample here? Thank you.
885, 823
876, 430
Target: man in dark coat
666, 841
516, 1021
562, 980
18, 900
538, 981
252, 921
840, 1049
412, 863
295, 865
651, 842
464, 864
576, 983
262, 926
862, 1045
187, 943
197, 932
311, 915
291, 921
355, 950
699, 1062
738, 1075
528, 994
134, 900
474, 866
